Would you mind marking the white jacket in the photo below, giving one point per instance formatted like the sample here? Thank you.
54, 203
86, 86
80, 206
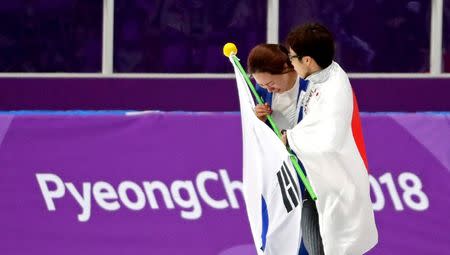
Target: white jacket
329, 143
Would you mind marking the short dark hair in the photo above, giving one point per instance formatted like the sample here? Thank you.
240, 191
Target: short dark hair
268, 58
313, 40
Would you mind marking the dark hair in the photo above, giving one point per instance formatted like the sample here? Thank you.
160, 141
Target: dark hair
268, 58
313, 40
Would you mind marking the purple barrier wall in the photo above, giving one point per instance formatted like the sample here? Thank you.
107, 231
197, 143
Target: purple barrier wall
168, 183
374, 95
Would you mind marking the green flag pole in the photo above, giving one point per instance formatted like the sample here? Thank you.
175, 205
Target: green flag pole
230, 51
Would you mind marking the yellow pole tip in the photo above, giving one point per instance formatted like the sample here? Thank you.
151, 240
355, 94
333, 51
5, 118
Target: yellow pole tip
229, 48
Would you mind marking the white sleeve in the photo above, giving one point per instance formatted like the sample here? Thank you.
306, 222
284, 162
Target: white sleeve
324, 128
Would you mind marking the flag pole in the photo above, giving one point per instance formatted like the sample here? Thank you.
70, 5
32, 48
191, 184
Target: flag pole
230, 51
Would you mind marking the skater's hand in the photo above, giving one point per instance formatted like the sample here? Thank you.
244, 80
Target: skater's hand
262, 110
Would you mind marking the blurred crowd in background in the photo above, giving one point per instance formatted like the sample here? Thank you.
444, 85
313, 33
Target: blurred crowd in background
186, 36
